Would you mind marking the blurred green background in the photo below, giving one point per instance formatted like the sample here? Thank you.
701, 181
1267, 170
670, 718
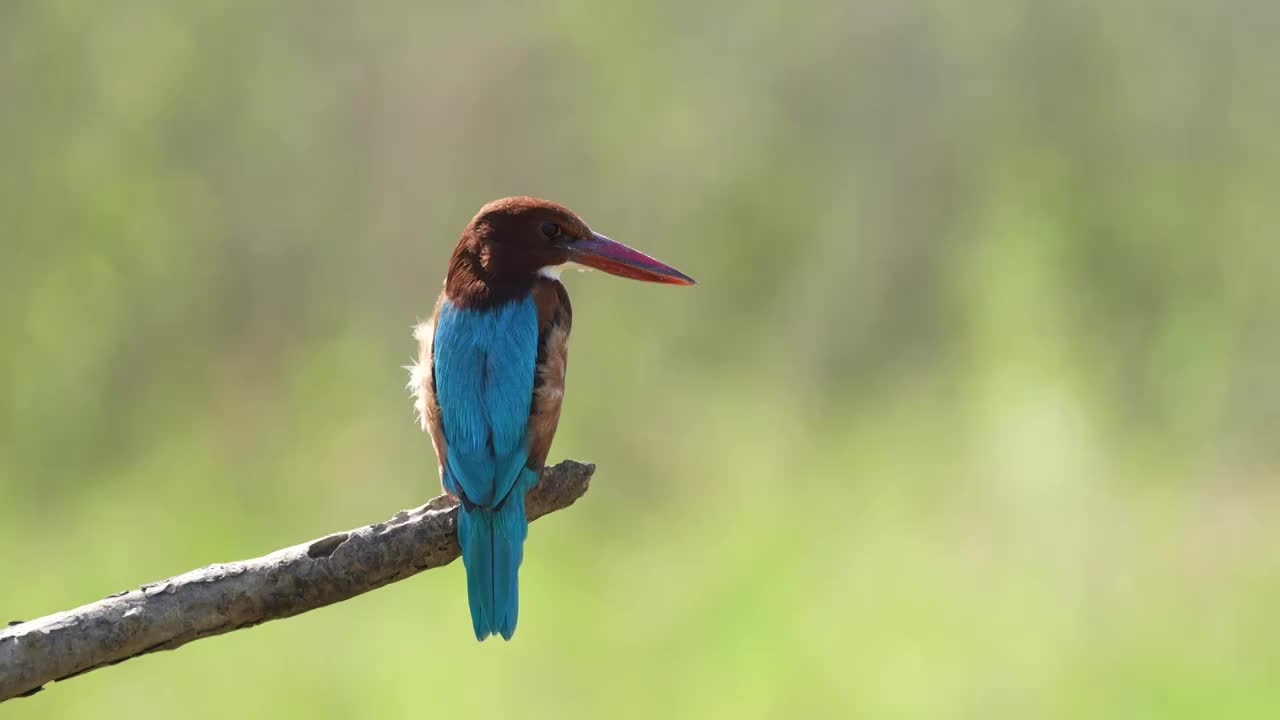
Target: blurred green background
974, 412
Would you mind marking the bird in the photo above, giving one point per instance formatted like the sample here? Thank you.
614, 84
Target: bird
490, 377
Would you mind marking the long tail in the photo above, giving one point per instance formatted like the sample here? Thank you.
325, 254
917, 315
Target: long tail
492, 541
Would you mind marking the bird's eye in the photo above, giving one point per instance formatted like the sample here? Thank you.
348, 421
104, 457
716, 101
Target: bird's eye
550, 230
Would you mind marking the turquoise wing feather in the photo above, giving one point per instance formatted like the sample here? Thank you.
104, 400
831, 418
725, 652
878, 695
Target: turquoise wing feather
484, 374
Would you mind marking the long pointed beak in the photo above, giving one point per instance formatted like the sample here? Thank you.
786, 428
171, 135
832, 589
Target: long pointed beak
615, 258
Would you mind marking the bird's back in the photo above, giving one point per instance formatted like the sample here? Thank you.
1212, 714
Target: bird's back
490, 383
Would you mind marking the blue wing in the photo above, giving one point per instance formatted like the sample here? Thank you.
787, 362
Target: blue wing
484, 375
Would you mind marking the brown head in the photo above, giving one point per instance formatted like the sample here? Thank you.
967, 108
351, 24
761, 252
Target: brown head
511, 241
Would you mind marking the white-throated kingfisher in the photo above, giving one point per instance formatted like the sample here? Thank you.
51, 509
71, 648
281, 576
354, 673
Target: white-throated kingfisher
490, 377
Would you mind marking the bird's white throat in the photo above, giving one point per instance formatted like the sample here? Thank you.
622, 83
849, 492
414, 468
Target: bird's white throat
553, 271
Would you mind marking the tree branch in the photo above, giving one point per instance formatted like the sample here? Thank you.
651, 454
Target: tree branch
224, 597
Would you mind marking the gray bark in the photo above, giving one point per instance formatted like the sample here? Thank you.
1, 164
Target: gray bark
229, 596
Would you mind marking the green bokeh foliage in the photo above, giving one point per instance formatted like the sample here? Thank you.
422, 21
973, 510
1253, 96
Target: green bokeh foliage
974, 412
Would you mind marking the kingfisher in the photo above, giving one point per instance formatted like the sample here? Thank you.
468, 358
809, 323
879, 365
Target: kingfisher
490, 377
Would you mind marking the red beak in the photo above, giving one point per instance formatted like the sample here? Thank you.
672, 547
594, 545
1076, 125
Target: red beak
615, 258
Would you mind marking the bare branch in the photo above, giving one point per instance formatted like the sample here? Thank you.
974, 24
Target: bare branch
229, 596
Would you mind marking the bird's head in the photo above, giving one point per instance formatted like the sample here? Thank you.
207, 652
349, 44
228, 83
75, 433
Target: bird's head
513, 240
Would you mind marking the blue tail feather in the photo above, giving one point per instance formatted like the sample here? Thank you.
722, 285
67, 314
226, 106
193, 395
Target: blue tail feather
492, 541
